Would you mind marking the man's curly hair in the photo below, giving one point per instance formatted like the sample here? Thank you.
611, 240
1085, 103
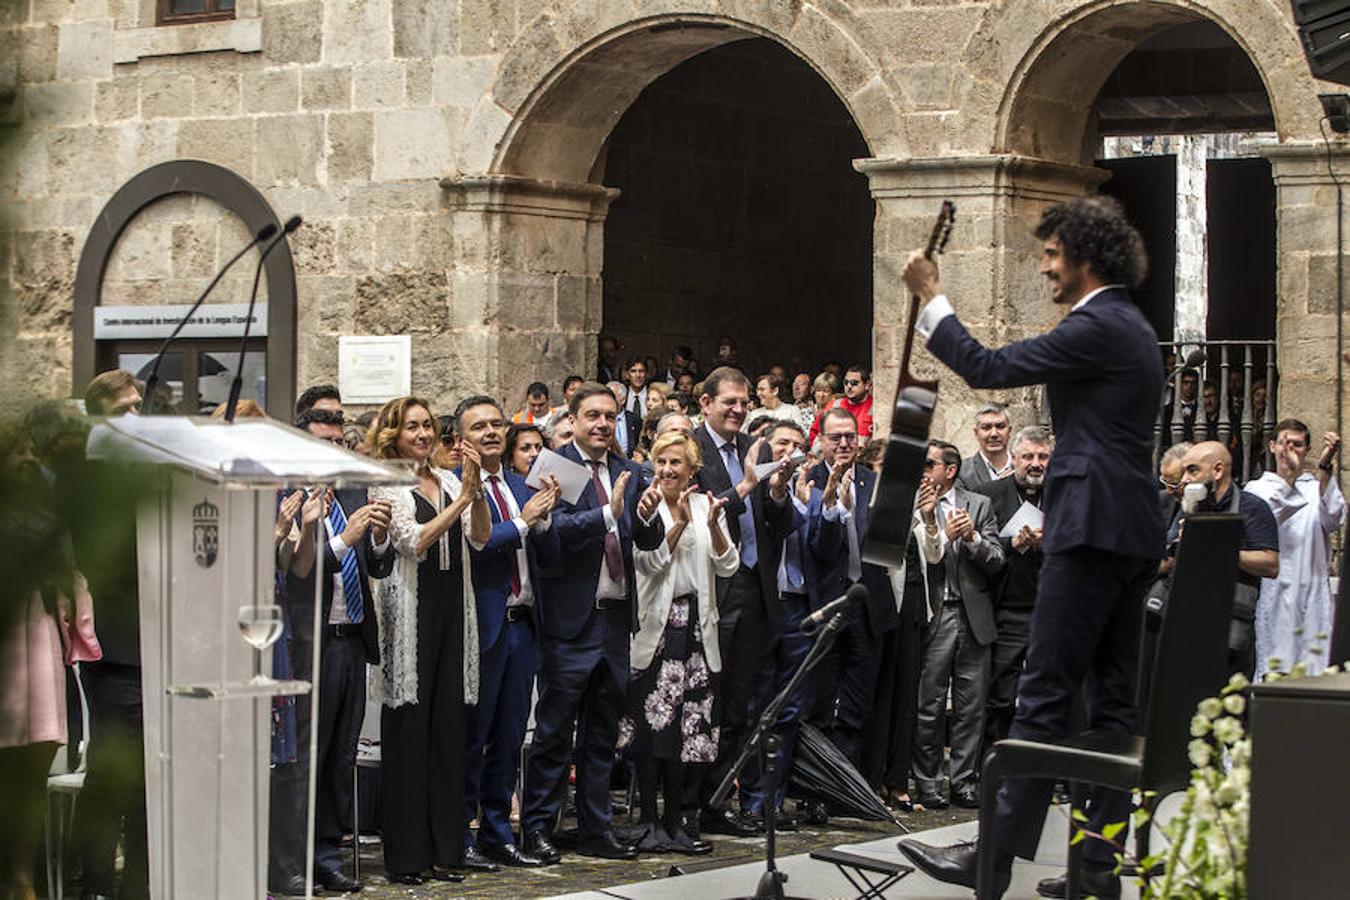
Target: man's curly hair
1094, 230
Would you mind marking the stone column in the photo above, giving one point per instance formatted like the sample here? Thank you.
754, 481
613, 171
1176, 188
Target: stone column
989, 270
1309, 359
528, 258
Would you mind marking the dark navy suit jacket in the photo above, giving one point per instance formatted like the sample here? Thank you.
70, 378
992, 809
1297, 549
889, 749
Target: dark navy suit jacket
572, 550
881, 612
299, 591
819, 542
1103, 377
492, 564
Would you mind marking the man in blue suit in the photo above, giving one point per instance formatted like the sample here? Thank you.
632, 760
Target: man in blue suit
505, 583
812, 547
847, 678
587, 607
1102, 536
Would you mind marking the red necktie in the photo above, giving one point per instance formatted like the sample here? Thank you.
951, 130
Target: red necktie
613, 559
505, 512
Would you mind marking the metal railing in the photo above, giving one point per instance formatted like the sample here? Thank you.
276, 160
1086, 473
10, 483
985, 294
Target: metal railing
1228, 395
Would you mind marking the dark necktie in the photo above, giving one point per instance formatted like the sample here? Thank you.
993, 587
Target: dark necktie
504, 512
749, 547
351, 575
613, 558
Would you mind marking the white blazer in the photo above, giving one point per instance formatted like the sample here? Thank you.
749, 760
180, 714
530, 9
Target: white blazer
656, 582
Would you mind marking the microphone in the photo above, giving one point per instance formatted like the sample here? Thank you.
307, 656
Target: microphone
812, 623
152, 382
291, 224
1194, 360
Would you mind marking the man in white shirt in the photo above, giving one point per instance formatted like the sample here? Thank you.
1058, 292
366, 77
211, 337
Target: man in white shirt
992, 460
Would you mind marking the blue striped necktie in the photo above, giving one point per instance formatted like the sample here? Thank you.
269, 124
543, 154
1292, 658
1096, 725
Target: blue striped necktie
351, 574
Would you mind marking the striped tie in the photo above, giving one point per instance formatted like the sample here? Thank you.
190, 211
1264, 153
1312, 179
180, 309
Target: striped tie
351, 574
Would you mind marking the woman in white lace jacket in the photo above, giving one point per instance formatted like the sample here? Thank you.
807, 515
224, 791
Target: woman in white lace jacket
427, 620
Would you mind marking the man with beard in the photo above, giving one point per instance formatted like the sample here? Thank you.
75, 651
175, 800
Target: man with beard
991, 461
1015, 595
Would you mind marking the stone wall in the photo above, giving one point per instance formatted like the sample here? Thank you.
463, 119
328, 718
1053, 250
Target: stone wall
447, 157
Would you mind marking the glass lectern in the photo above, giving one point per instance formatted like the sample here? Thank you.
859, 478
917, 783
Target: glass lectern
208, 614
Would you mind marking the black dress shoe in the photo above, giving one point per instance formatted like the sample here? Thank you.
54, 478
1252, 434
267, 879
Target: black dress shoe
337, 882
966, 796
817, 813
682, 842
605, 847
931, 801
1095, 883
954, 865
288, 887
443, 873
510, 855
405, 877
729, 822
476, 861
538, 845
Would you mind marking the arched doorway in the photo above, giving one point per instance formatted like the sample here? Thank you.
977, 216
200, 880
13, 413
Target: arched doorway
530, 232
739, 214
1168, 102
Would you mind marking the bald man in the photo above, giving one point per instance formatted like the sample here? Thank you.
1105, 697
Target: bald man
1210, 464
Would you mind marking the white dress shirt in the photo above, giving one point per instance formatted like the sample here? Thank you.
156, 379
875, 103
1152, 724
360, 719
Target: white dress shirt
337, 612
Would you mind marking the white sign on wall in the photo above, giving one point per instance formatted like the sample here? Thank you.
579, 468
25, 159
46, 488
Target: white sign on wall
374, 368
212, 320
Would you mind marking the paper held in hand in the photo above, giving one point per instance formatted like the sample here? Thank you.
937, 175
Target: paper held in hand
764, 470
1027, 515
572, 477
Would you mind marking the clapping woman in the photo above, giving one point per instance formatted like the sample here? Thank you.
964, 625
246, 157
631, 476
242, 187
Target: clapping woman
427, 620
674, 652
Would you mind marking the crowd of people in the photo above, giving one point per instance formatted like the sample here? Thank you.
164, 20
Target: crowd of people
643, 625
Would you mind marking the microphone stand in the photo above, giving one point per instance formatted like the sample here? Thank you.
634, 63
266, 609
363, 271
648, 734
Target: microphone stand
152, 382
764, 741
237, 385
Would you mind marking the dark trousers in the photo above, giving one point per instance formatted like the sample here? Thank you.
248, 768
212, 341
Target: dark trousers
342, 707
888, 741
581, 689
1010, 654
744, 636
846, 681
951, 655
1086, 625
112, 805
789, 648
497, 730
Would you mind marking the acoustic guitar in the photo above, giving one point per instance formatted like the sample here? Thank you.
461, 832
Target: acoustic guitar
892, 511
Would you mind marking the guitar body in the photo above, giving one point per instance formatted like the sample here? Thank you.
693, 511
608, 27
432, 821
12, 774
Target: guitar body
892, 510
891, 514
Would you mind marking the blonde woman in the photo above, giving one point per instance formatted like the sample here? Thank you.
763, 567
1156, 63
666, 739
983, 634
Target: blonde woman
674, 654
426, 610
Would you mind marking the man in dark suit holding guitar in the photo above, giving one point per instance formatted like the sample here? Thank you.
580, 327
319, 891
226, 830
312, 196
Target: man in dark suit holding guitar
1102, 537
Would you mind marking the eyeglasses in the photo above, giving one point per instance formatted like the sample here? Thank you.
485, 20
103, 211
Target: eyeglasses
1170, 485
852, 382
929, 464
846, 437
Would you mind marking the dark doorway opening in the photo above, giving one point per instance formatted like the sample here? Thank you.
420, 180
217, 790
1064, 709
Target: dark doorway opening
740, 214
1146, 187
1241, 204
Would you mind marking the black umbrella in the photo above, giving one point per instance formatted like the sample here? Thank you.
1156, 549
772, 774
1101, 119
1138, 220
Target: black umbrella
822, 771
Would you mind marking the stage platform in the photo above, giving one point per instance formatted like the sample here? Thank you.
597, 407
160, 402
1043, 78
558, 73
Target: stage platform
811, 878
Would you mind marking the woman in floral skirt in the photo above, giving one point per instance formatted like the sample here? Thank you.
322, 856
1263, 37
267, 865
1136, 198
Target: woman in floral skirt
674, 653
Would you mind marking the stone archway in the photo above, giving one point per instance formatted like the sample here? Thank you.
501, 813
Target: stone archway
528, 231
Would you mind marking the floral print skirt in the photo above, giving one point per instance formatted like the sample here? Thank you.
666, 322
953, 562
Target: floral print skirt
670, 703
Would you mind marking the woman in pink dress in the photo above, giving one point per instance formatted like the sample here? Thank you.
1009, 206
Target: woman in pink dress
33, 688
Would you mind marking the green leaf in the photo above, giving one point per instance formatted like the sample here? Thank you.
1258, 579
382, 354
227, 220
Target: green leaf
1077, 836
1078, 815
1110, 831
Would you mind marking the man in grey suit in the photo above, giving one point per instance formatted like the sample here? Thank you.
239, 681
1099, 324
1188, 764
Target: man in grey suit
992, 461
957, 641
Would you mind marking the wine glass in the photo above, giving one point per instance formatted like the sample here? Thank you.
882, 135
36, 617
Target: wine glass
261, 626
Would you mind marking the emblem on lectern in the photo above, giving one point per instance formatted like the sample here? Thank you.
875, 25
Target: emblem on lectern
205, 533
